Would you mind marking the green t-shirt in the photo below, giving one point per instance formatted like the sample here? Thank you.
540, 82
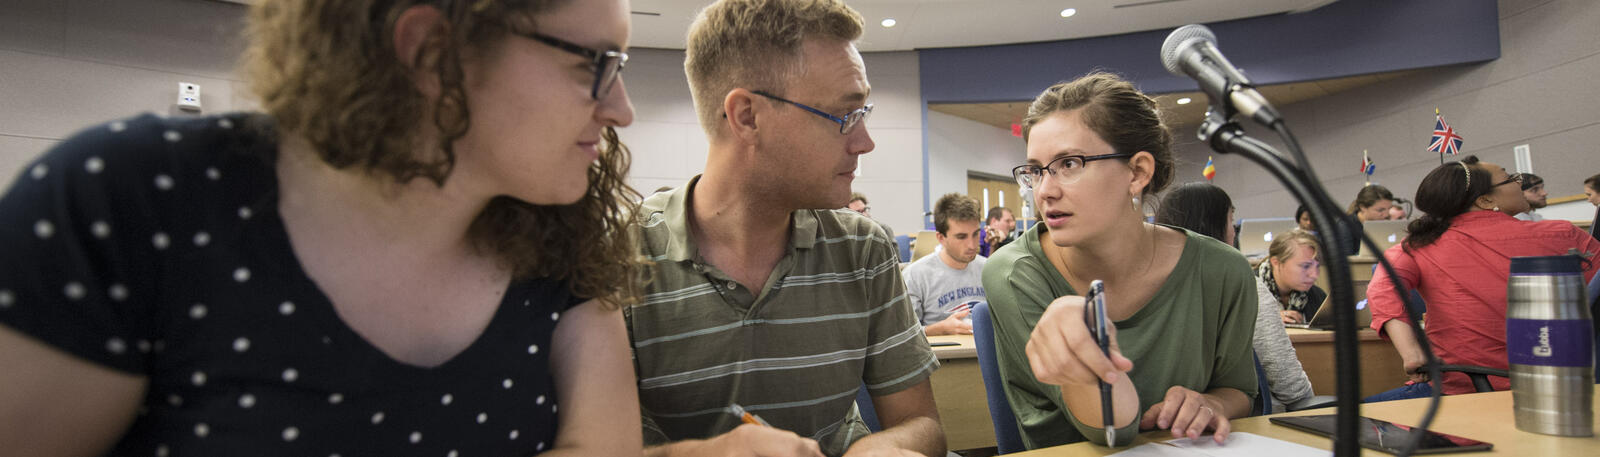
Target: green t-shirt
1195, 332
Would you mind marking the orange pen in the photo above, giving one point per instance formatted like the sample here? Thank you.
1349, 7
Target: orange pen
747, 417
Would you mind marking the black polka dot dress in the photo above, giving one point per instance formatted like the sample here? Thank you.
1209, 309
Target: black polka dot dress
153, 246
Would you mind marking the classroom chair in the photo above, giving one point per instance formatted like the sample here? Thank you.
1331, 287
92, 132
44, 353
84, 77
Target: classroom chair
869, 414
904, 242
1007, 438
1263, 403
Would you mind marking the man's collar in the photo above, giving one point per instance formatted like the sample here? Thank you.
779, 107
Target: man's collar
674, 215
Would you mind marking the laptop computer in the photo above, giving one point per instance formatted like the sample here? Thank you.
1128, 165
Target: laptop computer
1255, 235
1323, 320
1384, 234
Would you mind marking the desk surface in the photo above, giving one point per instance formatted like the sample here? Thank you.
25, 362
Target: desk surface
1305, 335
1483, 417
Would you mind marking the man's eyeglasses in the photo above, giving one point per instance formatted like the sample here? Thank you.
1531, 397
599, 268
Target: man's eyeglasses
1065, 169
846, 124
607, 64
1514, 178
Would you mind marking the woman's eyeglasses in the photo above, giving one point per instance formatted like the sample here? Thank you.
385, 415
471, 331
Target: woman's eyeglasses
1065, 169
607, 64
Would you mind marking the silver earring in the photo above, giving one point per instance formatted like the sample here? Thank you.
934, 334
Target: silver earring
1135, 202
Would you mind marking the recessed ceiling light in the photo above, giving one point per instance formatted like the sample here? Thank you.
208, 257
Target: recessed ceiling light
1069, 12
1184, 101
890, 22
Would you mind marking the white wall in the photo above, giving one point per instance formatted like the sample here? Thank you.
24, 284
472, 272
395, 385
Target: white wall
1541, 92
957, 145
67, 64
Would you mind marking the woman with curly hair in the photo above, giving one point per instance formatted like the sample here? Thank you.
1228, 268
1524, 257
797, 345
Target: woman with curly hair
416, 248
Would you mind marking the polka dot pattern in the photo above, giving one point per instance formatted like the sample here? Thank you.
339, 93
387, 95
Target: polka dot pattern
44, 229
251, 355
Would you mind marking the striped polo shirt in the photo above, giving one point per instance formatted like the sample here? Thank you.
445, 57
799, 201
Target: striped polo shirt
832, 316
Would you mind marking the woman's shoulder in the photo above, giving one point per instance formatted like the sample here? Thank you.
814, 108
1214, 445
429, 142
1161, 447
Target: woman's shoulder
1211, 256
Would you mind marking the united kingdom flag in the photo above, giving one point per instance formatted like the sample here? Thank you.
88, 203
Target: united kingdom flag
1445, 139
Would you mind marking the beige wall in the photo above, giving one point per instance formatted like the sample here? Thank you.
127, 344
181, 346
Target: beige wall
1541, 92
68, 64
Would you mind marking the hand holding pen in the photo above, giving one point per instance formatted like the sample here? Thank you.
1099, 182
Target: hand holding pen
1063, 351
755, 437
1094, 317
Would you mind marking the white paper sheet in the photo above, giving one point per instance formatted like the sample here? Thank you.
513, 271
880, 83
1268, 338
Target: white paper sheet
1238, 444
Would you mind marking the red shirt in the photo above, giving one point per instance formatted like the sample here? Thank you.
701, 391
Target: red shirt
1462, 277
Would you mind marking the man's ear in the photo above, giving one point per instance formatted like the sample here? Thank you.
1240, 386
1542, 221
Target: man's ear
740, 118
418, 34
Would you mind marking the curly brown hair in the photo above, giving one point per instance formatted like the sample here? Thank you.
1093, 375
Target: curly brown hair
326, 70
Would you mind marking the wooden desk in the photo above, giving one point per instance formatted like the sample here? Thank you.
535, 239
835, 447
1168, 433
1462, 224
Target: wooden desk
958, 390
1380, 364
1484, 417
964, 409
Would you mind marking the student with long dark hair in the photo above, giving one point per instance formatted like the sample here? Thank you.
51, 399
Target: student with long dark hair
1201, 208
1458, 256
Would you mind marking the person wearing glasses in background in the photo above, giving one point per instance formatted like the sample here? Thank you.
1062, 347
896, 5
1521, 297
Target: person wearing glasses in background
372, 266
765, 293
1458, 257
858, 203
1183, 304
1533, 190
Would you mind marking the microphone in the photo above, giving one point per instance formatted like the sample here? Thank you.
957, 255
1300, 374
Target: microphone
1191, 51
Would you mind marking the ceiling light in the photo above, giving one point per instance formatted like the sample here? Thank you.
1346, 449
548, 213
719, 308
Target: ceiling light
890, 22
1184, 101
1069, 12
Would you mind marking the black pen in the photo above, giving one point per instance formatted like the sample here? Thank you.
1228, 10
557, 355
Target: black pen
1095, 317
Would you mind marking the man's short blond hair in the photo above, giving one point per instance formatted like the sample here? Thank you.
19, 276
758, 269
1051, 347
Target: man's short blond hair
756, 44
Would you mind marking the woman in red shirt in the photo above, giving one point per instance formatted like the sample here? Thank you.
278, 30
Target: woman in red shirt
1458, 257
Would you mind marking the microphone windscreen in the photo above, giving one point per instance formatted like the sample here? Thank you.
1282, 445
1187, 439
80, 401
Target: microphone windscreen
1178, 40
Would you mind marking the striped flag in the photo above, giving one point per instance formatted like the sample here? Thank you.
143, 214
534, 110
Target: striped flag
1210, 171
1366, 164
1445, 139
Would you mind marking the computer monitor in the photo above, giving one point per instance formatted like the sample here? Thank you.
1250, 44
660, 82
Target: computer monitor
1384, 234
1255, 235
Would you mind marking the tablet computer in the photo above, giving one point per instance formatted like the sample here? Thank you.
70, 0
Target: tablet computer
1385, 436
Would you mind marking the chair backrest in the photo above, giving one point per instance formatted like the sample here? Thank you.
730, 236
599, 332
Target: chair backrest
904, 243
869, 414
1007, 438
927, 240
1263, 403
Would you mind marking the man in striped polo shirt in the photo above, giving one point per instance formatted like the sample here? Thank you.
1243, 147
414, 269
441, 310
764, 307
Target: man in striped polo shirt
765, 294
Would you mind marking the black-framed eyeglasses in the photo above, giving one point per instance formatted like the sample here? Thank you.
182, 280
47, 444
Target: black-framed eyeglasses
1065, 169
1514, 178
607, 63
846, 123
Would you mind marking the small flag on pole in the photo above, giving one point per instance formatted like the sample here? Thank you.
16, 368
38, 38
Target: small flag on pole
1210, 171
1445, 139
1367, 166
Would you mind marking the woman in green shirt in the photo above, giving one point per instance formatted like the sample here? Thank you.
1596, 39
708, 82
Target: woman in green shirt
1183, 304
